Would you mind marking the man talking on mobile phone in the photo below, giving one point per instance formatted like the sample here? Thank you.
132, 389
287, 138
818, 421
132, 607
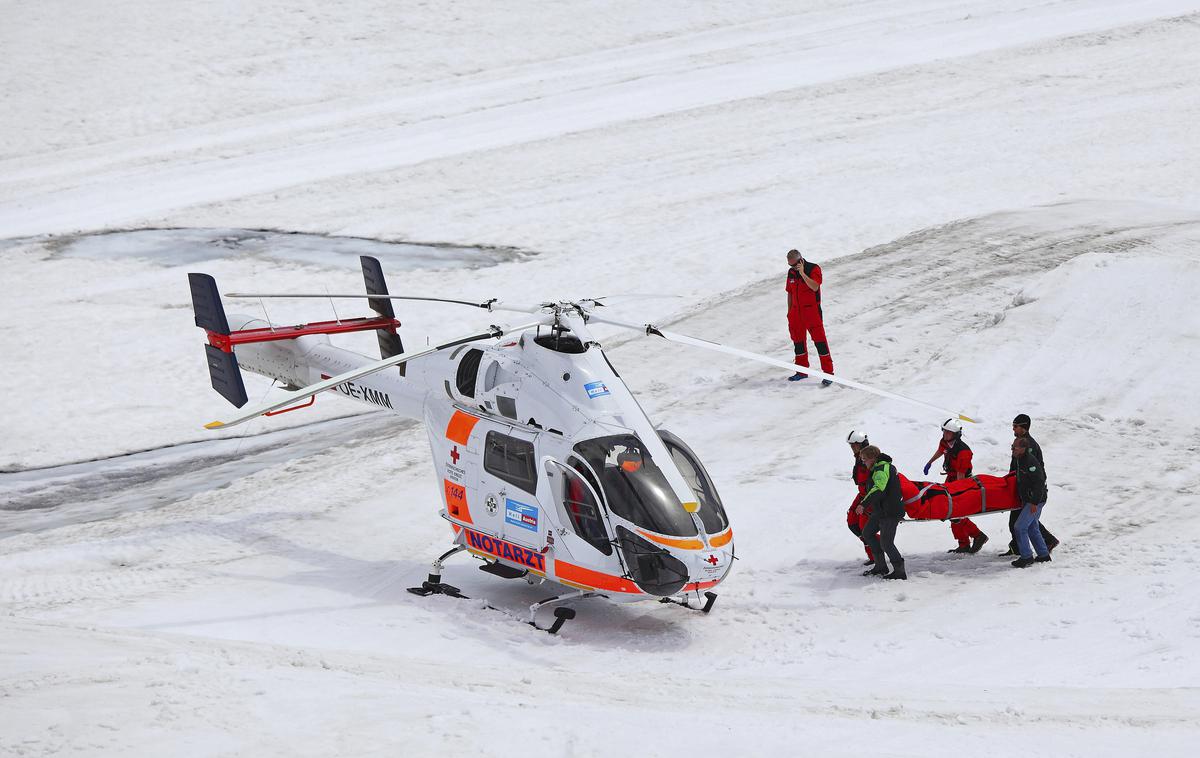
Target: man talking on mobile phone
804, 314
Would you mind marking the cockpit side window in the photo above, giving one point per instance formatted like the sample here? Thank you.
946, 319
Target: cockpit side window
634, 486
582, 508
511, 460
712, 512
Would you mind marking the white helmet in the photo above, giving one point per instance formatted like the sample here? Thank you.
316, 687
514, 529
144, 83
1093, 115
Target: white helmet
952, 425
857, 438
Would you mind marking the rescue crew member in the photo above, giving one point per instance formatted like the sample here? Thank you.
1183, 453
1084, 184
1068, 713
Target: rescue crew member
804, 314
855, 518
1031, 489
887, 508
1021, 431
956, 464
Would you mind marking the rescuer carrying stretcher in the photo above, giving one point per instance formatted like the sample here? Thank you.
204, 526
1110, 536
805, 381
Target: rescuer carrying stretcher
956, 464
856, 518
888, 497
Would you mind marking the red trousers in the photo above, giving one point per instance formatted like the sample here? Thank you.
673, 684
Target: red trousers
964, 530
856, 520
803, 321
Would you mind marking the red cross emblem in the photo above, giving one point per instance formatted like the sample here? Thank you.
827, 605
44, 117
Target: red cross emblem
711, 560
454, 456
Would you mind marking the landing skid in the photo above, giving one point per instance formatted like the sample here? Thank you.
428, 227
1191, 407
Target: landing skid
435, 586
709, 599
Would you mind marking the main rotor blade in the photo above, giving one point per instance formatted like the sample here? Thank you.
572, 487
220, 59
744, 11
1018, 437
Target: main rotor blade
487, 305
694, 342
312, 389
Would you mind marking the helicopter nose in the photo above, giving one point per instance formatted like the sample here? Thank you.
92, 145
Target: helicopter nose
710, 565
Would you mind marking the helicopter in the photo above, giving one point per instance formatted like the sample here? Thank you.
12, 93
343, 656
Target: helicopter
549, 469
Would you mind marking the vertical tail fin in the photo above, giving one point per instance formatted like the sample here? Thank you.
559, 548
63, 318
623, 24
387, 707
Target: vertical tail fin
389, 342
223, 367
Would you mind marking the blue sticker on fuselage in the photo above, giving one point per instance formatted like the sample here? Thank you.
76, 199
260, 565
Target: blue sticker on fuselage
596, 389
521, 514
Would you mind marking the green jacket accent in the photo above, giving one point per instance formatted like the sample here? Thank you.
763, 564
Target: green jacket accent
885, 489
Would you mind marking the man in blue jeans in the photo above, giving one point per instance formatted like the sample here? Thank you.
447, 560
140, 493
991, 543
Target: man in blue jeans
1031, 488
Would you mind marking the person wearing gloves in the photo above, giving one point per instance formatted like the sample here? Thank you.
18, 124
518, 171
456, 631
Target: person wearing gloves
956, 464
856, 520
1031, 489
887, 508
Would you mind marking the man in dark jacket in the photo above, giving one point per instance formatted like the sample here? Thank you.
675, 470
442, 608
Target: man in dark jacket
1031, 489
1021, 431
887, 508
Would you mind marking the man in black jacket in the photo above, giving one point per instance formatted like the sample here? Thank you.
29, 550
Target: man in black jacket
1031, 489
887, 508
1021, 431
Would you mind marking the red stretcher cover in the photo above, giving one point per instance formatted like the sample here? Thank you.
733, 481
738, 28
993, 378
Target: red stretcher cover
966, 497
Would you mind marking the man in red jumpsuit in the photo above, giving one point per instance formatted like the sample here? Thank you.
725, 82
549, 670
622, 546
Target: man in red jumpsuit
804, 314
956, 464
862, 477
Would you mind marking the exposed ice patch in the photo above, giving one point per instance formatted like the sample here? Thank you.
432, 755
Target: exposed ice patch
196, 245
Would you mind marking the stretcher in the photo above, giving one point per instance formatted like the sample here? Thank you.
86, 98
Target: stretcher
929, 501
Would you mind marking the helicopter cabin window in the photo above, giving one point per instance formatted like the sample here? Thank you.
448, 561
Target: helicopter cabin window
633, 485
468, 371
712, 512
511, 460
582, 508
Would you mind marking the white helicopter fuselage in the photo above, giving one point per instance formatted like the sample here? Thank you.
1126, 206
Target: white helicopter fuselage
548, 467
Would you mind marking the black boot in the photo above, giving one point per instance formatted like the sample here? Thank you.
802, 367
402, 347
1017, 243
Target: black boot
897, 571
1042, 559
1012, 550
978, 543
1051, 544
869, 562
1022, 563
960, 549
879, 570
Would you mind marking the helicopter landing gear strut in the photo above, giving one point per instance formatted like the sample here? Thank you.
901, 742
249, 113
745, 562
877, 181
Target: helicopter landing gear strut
434, 585
561, 615
709, 599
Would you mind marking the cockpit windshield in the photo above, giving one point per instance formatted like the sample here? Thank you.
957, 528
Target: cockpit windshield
712, 512
635, 486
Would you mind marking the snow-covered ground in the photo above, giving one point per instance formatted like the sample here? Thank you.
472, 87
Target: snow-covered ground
1006, 199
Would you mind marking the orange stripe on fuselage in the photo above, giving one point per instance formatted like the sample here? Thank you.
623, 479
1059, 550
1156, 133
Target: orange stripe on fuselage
696, 586
460, 426
595, 579
722, 539
686, 543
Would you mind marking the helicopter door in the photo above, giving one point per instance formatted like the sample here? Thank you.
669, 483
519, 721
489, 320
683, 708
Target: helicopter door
509, 484
581, 503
